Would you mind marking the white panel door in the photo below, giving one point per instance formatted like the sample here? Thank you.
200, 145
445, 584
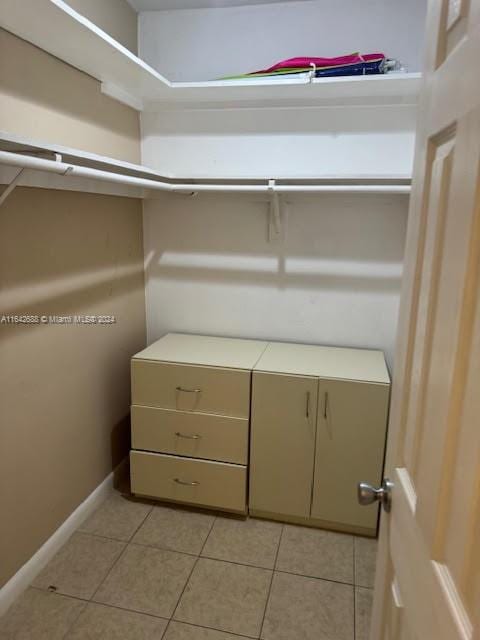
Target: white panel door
428, 576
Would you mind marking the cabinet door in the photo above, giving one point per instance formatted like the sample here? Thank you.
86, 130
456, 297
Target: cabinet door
282, 443
351, 432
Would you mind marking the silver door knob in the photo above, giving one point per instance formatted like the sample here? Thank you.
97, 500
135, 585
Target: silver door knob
367, 494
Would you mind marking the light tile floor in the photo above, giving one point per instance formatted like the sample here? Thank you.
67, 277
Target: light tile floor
142, 571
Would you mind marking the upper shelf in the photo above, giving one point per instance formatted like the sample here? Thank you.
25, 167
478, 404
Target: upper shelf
55, 27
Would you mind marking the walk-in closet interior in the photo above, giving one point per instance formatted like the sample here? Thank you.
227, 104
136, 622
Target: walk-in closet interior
200, 279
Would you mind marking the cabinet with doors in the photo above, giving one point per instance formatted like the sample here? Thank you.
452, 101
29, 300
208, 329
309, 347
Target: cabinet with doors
319, 420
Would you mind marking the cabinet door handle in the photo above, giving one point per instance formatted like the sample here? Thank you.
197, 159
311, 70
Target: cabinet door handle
194, 436
188, 390
186, 484
307, 405
325, 405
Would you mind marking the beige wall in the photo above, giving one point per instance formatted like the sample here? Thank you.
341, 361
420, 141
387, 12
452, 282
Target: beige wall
47, 100
64, 389
116, 17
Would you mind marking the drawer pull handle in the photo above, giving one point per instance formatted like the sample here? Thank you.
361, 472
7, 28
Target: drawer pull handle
189, 390
186, 484
187, 436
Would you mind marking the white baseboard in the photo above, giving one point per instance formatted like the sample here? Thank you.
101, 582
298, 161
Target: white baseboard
26, 574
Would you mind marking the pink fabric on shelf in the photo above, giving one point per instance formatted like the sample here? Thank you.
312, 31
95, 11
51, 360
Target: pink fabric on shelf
293, 63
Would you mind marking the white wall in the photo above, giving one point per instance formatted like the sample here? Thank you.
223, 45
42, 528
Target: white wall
295, 143
210, 269
202, 44
279, 141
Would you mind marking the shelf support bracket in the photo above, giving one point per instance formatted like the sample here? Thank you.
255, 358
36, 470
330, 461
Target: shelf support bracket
117, 93
9, 188
275, 214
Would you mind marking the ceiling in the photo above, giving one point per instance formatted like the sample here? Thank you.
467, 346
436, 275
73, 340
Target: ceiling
159, 5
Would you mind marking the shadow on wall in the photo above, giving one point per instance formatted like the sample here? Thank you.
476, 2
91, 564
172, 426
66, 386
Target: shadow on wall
43, 94
64, 253
64, 388
337, 242
335, 279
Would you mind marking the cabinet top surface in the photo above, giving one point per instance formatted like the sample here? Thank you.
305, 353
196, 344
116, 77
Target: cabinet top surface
209, 351
324, 362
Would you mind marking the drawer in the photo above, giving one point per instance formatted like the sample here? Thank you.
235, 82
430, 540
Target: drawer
197, 435
210, 484
191, 388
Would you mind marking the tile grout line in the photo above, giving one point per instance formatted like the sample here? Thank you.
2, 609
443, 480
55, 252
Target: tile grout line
164, 634
91, 599
354, 563
142, 613
354, 613
158, 548
201, 626
74, 622
191, 572
215, 559
87, 602
241, 564
302, 575
130, 542
271, 581
102, 604
238, 564
189, 576
141, 524
354, 595
151, 615
127, 544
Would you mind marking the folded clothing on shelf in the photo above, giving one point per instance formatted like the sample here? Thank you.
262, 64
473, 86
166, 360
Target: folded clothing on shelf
349, 65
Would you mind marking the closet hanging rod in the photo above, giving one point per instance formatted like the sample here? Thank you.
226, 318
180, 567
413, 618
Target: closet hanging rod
63, 168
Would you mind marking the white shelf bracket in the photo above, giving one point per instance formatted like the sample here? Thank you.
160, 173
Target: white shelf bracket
8, 190
275, 213
120, 95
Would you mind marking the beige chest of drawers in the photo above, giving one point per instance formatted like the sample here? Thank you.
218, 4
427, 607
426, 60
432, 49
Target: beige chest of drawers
190, 420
